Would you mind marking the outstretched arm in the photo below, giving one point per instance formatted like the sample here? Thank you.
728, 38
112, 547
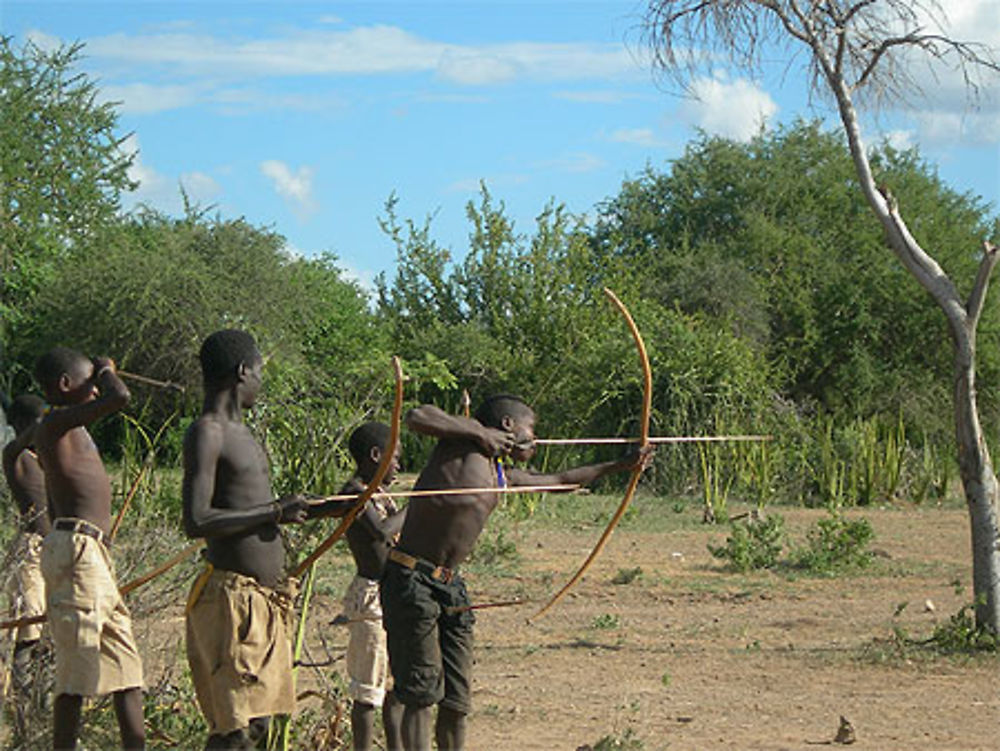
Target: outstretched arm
579, 475
433, 421
202, 450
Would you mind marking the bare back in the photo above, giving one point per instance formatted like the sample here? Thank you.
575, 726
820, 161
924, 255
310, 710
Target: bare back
27, 486
444, 529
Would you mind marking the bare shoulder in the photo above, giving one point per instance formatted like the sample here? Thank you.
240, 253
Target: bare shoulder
206, 431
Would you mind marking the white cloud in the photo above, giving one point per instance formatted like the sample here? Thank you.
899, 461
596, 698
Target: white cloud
201, 188
146, 99
901, 140
43, 41
577, 163
946, 107
368, 50
154, 189
476, 69
163, 192
638, 136
295, 186
732, 109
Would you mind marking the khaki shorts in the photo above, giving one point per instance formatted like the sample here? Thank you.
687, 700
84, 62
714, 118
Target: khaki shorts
367, 658
26, 587
238, 649
91, 627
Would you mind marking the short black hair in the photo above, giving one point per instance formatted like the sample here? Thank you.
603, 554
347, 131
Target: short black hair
25, 408
492, 411
51, 366
367, 436
223, 352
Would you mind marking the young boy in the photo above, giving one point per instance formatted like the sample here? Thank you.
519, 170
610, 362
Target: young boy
423, 598
91, 627
239, 609
26, 587
370, 537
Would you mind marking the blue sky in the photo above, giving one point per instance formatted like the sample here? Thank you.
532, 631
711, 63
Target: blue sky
306, 116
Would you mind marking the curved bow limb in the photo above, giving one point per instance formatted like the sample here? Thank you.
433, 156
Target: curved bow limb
647, 403
373, 486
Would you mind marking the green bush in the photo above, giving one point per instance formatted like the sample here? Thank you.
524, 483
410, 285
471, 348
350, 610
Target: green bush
961, 634
752, 544
835, 544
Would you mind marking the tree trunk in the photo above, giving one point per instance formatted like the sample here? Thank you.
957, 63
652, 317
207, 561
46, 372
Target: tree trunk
975, 468
979, 483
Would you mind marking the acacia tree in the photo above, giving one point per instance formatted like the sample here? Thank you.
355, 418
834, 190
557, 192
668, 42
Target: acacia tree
62, 169
861, 53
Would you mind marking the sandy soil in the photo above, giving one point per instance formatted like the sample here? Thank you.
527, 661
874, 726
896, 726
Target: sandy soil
690, 656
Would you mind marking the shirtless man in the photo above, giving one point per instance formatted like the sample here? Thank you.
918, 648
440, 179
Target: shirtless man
239, 609
26, 586
370, 537
91, 627
430, 646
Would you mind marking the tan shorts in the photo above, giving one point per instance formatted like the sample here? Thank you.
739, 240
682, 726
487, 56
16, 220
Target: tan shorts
91, 627
367, 657
26, 587
239, 651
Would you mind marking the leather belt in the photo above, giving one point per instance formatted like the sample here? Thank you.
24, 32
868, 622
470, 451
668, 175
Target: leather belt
439, 573
84, 528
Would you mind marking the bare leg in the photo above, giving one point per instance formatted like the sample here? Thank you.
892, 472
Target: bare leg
21, 680
66, 721
362, 725
417, 728
392, 721
450, 730
128, 710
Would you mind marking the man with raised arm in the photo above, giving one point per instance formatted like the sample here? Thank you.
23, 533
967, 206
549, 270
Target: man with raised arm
424, 600
91, 627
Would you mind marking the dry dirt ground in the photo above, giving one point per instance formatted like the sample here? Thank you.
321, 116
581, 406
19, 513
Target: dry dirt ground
686, 655
690, 656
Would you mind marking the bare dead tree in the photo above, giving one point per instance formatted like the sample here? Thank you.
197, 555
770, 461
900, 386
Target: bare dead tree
864, 54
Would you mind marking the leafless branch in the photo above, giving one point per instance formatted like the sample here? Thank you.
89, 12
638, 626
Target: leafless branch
977, 298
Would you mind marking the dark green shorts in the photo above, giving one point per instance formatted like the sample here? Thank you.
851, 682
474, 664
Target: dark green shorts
430, 652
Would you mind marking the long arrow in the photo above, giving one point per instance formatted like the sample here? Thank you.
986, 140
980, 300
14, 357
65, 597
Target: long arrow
651, 439
448, 491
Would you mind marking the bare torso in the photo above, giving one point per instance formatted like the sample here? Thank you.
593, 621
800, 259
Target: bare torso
27, 486
75, 479
444, 529
370, 536
242, 484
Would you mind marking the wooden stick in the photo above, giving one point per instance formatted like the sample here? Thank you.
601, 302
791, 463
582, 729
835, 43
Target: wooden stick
656, 439
162, 569
150, 381
454, 609
147, 462
447, 491
124, 589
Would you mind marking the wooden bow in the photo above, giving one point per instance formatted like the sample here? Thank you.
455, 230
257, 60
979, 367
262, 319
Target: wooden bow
647, 403
383, 467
